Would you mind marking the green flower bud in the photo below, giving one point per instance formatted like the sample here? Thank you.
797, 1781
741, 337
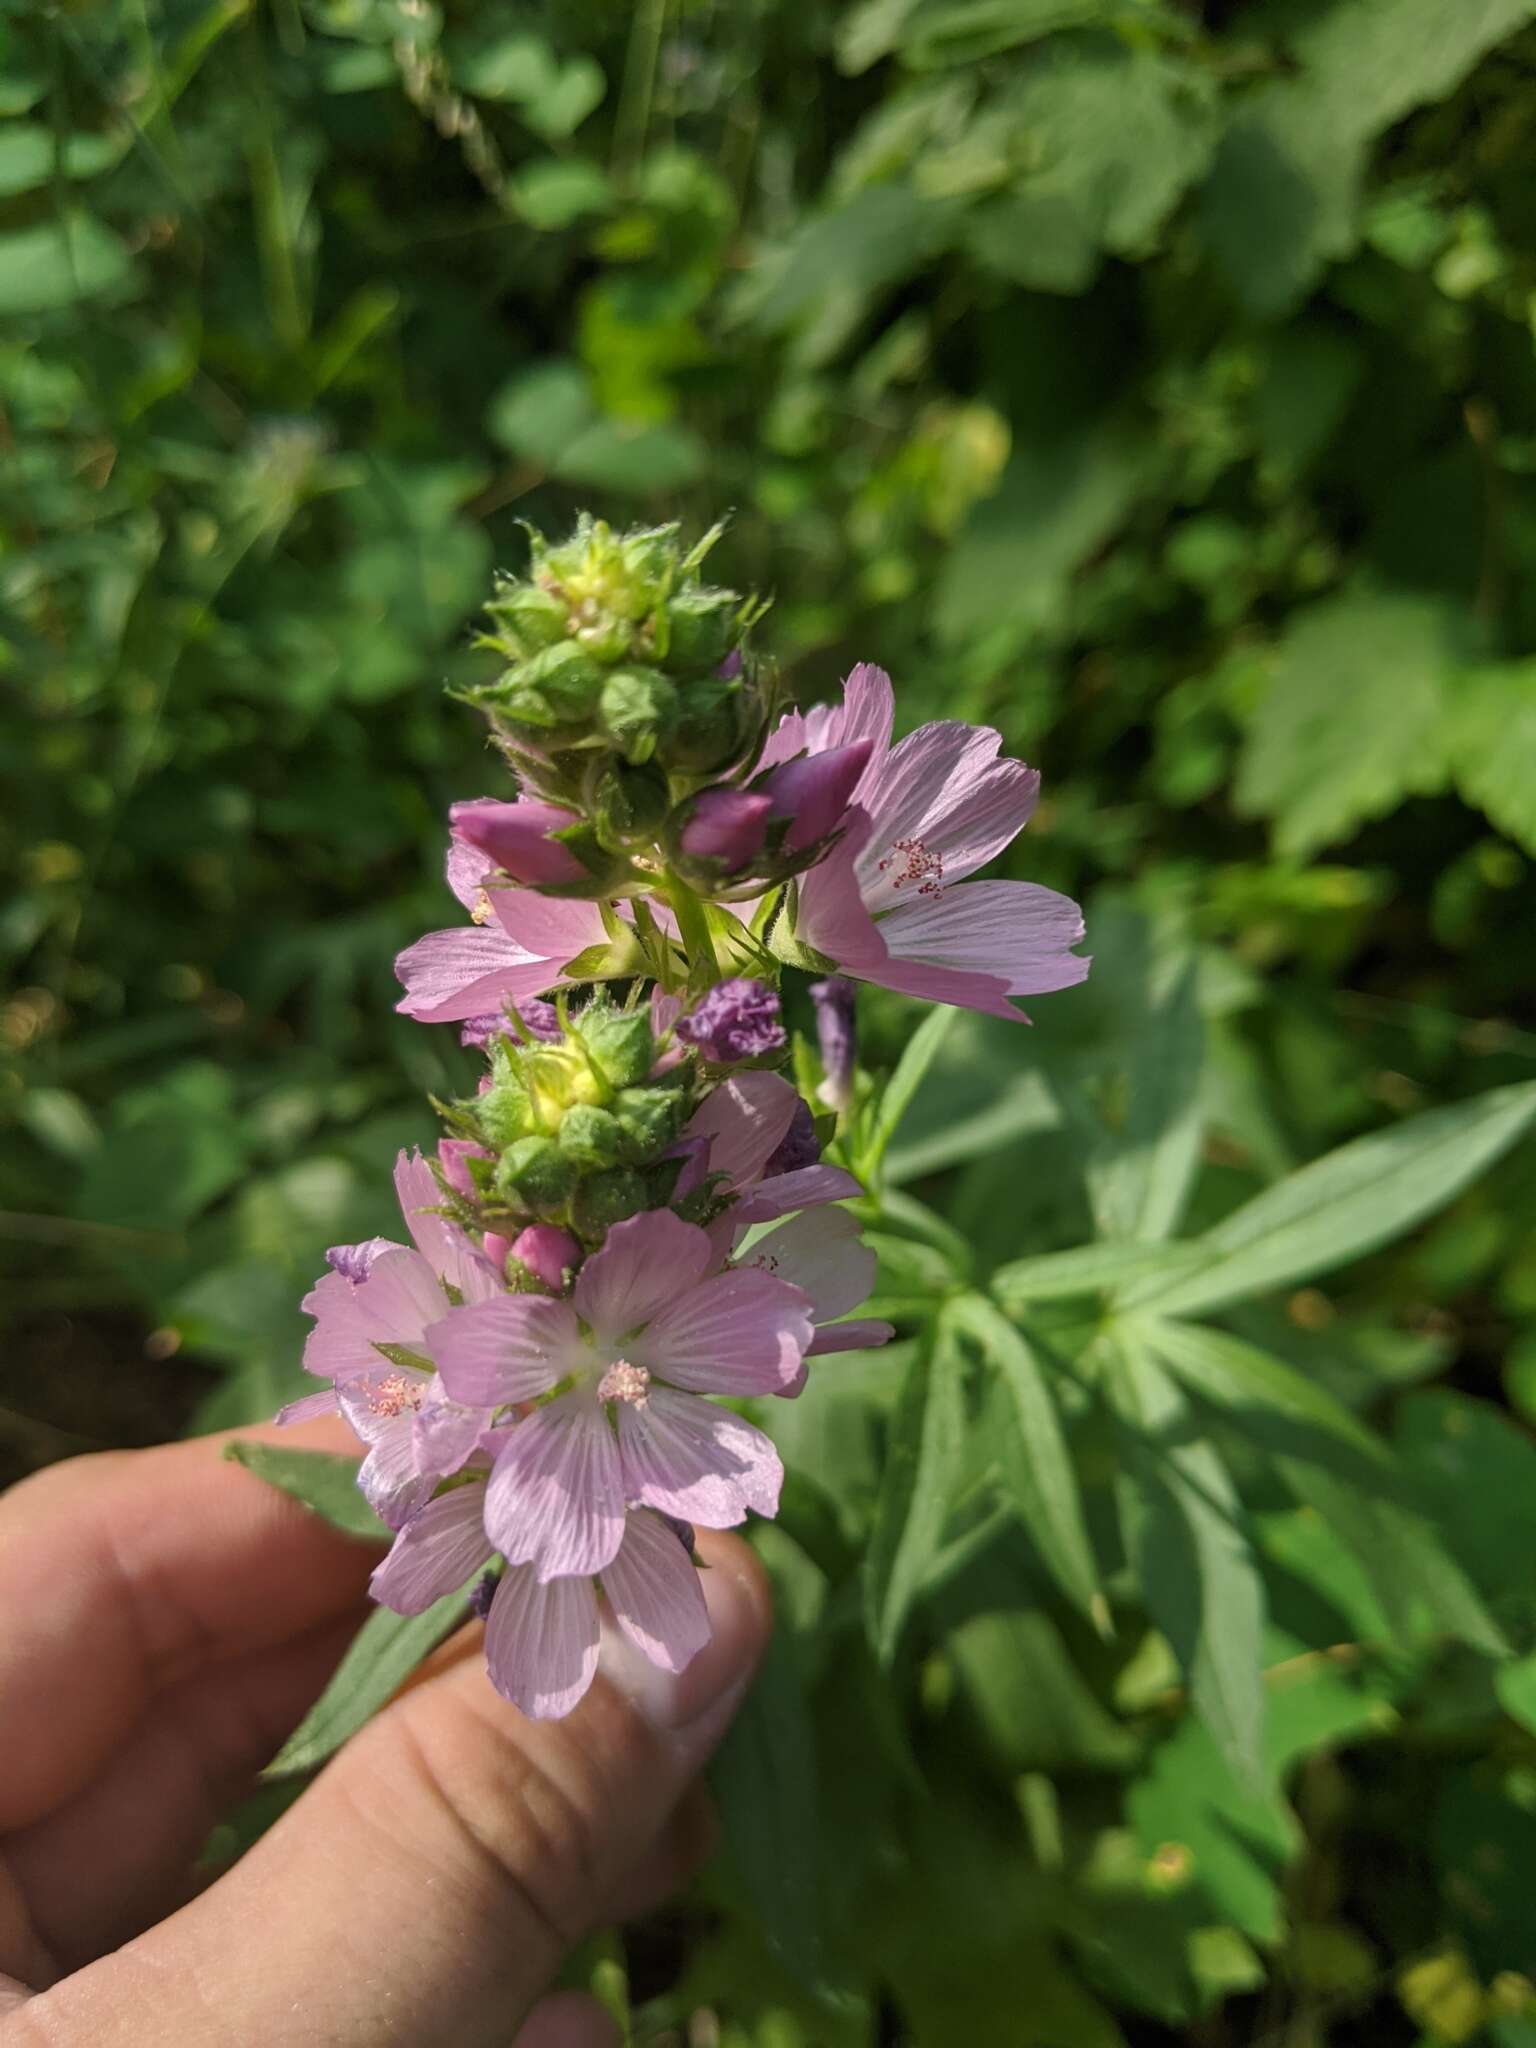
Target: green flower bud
701, 628
606, 1199
526, 618
502, 1113
649, 1119
535, 1175
636, 708
592, 1137
627, 803
619, 1043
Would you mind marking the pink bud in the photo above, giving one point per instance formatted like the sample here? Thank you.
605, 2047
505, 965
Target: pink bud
516, 837
548, 1252
814, 792
453, 1156
727, 825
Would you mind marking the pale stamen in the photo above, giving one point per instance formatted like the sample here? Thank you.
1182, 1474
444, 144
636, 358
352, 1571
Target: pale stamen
395, 1396
919, 864
625, 1382
482, 913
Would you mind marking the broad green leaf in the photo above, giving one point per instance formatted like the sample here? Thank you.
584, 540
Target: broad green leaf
1034, 1463
57, 262
383, 1654
921, 1461
324, 1481
764, 1782
30, 155
1282, 1407
1476, 1470
1093, 1269
918, 1055
1349, 1202
1515, 1685
1399, 1550
882, 234
1350, 722
1191, 1558
1491, 734
1141, 1166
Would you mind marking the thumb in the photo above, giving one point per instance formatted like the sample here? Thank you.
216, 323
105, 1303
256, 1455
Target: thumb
426, 1887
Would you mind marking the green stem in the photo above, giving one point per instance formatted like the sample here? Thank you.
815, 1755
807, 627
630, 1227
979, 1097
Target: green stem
693, 929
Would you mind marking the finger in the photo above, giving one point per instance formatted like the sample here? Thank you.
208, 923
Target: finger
685, 1844
568, 2019
122, 1572
426, 1886
120, 1855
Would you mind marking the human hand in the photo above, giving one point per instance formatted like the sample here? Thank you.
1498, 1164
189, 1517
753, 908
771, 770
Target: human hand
165, 1619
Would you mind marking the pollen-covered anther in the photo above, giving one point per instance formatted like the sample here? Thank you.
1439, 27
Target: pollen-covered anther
919, 864
483, 911
394, 1396
625, 1382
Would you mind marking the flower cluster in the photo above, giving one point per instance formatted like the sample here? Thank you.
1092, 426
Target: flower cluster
631, 1214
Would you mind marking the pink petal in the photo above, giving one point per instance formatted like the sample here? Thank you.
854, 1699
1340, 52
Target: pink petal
867, 712
434, 1553
467, 868
445, 1434
308, 1407
467, 972
859, 1334
653, 1589
822, 1255
829, 913
739, 1333
400, 1297
808, 1187
555, 1498
692, 1459
446, 1249
1014, 931
942, 805
745, 1119
392, 1306
644, 1261
541, 1643
506, 1349
556, 928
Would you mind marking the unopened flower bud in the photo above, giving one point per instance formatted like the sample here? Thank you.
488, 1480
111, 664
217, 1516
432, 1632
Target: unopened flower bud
536, 1175
650, 1118
547, 1252
592, 1136
799, 1146
813, 792
727, 826
517, 838
637, 706
835, 1000
607, 1198
453, 1156
737, 1020
619, 1043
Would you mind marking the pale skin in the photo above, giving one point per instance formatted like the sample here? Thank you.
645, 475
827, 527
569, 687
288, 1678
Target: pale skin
165, 1619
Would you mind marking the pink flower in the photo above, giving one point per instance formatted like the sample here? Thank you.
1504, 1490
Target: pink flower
541, 1635
885, 905
745, 1123
516, 947
383, 1294
648, 1330
517, 838
822, 1255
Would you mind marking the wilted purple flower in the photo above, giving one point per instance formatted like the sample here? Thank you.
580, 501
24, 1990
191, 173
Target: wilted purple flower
799, 1147
541, 1018
835, 1000
737, 1020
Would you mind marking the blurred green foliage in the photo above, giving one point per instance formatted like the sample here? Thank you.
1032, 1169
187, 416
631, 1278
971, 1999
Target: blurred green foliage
1152, 379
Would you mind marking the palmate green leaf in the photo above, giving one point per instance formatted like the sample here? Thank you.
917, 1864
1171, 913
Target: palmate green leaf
1263, 1395
918, 1055
1140, 1171
1107, 1268
1191, 1557
383, 1654
325, 1481
764, 1783
1034, 1463
922, 1459
1348, 1202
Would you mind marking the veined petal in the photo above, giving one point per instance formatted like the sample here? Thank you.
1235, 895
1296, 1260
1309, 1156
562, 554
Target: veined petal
745, 1120
645, 1261
555, 1498
507, 1349
556, 928
742, 1332
466, 869
307, 1408
1016, 931
824, 1256
653, 1588
942, 805
808, 1187
444, 1247
467, 972
859, 1333
830, 915
400, 1297
867, 711
692, 1459
434, 1553
541, 1642
445, 1434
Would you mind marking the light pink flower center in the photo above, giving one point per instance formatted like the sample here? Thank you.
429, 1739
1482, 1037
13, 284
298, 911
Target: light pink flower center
917, 864
394, 1396
625, 1382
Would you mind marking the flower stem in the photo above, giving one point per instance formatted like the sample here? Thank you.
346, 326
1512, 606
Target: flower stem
693, 929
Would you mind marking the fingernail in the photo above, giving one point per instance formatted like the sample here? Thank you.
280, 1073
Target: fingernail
695, 1704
